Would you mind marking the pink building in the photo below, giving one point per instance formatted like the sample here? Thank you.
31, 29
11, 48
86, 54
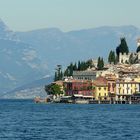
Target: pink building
78, 87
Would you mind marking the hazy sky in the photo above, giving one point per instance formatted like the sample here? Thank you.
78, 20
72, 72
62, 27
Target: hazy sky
23, 15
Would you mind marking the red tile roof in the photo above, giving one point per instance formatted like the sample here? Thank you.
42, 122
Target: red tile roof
100, 81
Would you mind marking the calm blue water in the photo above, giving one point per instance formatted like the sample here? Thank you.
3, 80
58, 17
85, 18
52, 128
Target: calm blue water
24, 120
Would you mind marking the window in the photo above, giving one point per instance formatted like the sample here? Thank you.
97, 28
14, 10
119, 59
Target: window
99, 88
99, 94
104, 88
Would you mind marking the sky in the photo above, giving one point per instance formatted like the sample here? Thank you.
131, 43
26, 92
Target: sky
25, 15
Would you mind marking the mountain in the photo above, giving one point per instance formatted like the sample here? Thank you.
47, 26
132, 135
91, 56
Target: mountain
59, 47
19, 61
26, 57
29, 90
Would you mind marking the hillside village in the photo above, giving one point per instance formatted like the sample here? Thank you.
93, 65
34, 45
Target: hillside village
115, 82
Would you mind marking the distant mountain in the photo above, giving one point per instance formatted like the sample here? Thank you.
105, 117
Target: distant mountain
28, 56
29, 90
57, 47
6, 33
19, 62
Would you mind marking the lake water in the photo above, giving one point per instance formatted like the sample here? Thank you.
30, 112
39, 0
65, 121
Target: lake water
25, 120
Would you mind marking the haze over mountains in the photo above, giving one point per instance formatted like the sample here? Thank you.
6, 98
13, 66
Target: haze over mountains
59, 47
29, 56
19, 62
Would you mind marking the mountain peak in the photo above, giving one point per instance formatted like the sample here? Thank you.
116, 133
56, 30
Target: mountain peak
3, 26
6, 33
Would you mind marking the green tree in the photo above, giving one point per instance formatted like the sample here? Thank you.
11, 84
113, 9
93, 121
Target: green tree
61, 75
55, 77
79, 65
71, 69
58, 73
66, 72
138, 49
53, 89
75, 66
109, 57
113, 58
100, 64
122, 48
89, 63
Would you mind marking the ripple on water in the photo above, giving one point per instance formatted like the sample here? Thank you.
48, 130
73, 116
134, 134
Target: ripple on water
22, 119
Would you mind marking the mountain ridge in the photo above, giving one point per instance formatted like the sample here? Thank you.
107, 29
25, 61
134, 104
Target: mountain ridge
28, 56
19, 61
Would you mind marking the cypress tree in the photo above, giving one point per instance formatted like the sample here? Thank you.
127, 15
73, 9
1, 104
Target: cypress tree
138, 49
99, 63
66, 72
55, 76
113, 57
79, 65
58, 73
102, 63
61, 75
75, 66
89, 63
110, 57
118, 51
122, 48
71, 69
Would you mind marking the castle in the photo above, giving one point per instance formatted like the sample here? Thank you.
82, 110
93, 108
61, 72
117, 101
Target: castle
124, 58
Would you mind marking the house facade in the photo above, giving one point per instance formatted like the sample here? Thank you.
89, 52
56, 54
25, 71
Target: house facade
79, 87
101, 88
125, 89
84, 75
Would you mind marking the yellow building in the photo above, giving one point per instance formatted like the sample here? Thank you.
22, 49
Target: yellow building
124, 89
101, 89
137, 79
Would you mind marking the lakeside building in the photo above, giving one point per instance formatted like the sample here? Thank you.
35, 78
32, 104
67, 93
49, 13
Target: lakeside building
111, 82
126, 88
79, 88
84, 75
109, 87
89, 74
101, 88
